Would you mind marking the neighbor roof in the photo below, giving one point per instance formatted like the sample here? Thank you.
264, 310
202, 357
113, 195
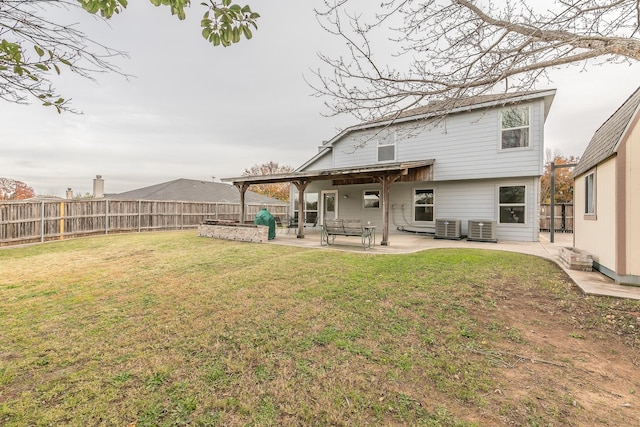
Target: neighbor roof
607, 138
191, 190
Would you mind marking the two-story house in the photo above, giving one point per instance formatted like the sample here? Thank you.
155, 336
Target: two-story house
474, 158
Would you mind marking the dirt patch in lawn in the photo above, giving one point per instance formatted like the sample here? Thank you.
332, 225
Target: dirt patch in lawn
567, 361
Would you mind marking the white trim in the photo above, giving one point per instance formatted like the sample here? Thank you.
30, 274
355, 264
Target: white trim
413, 204
364, 193
321, 204
501, 129
394, 142
526, 205
306, 211
590, 215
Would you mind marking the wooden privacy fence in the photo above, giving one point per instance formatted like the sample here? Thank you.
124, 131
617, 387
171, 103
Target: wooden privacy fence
563, 217
40, 221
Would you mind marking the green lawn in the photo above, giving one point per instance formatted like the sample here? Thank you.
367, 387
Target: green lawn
173, 329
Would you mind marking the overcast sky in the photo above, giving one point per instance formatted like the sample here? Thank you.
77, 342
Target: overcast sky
195, 111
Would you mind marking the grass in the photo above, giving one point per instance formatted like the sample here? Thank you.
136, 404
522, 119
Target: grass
169, 329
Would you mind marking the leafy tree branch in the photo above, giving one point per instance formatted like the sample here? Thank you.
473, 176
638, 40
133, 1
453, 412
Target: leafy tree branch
33, 47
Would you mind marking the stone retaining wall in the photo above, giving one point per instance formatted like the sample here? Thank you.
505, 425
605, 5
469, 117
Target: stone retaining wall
239, 232
576, 259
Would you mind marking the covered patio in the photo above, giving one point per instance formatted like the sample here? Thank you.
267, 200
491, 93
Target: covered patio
385, 174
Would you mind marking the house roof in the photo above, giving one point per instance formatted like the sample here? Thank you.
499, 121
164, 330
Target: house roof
440, 109
191, 190
607, 138
333, 174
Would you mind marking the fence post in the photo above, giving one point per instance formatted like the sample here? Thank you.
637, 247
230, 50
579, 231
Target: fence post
139, 215
61, 221
106, 216
42, 221
553, 196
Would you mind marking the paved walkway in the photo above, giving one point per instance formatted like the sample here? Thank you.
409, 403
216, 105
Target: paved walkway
591, 283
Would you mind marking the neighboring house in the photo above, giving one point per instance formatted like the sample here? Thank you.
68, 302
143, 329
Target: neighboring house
607, 195
474, 158
191, 190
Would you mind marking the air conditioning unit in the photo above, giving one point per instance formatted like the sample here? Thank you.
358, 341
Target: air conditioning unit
482, 230
448, 229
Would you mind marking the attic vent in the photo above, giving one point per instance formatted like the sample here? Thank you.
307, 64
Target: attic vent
448, 229
482, 230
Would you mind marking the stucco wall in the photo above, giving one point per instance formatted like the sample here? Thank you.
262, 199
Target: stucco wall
598, 235
633, 201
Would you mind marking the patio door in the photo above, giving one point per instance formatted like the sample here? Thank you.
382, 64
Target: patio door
329, 209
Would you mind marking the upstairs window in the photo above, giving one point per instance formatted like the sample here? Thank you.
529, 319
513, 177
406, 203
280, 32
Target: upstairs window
515, 128
387, 147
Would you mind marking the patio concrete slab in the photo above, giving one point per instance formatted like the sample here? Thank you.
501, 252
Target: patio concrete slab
591, 283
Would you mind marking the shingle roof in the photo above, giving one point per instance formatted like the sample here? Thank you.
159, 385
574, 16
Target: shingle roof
446, 106
605, 140
191, 190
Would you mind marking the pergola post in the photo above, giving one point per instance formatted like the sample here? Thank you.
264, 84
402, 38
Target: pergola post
386, 181
301, 186
242, 188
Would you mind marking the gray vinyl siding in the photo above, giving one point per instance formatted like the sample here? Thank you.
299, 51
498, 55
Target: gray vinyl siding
322, 163
356, 149
464, 146
463, 200
469, 169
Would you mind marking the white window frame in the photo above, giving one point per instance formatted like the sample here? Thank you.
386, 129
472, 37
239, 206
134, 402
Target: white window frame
414, 205
590, 190
386, 140
524, 204
364, 199
307, 211
527, 126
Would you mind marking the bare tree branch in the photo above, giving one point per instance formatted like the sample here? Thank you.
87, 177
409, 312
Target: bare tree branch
453, 48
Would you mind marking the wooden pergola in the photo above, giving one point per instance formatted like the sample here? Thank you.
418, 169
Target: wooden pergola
385, 174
